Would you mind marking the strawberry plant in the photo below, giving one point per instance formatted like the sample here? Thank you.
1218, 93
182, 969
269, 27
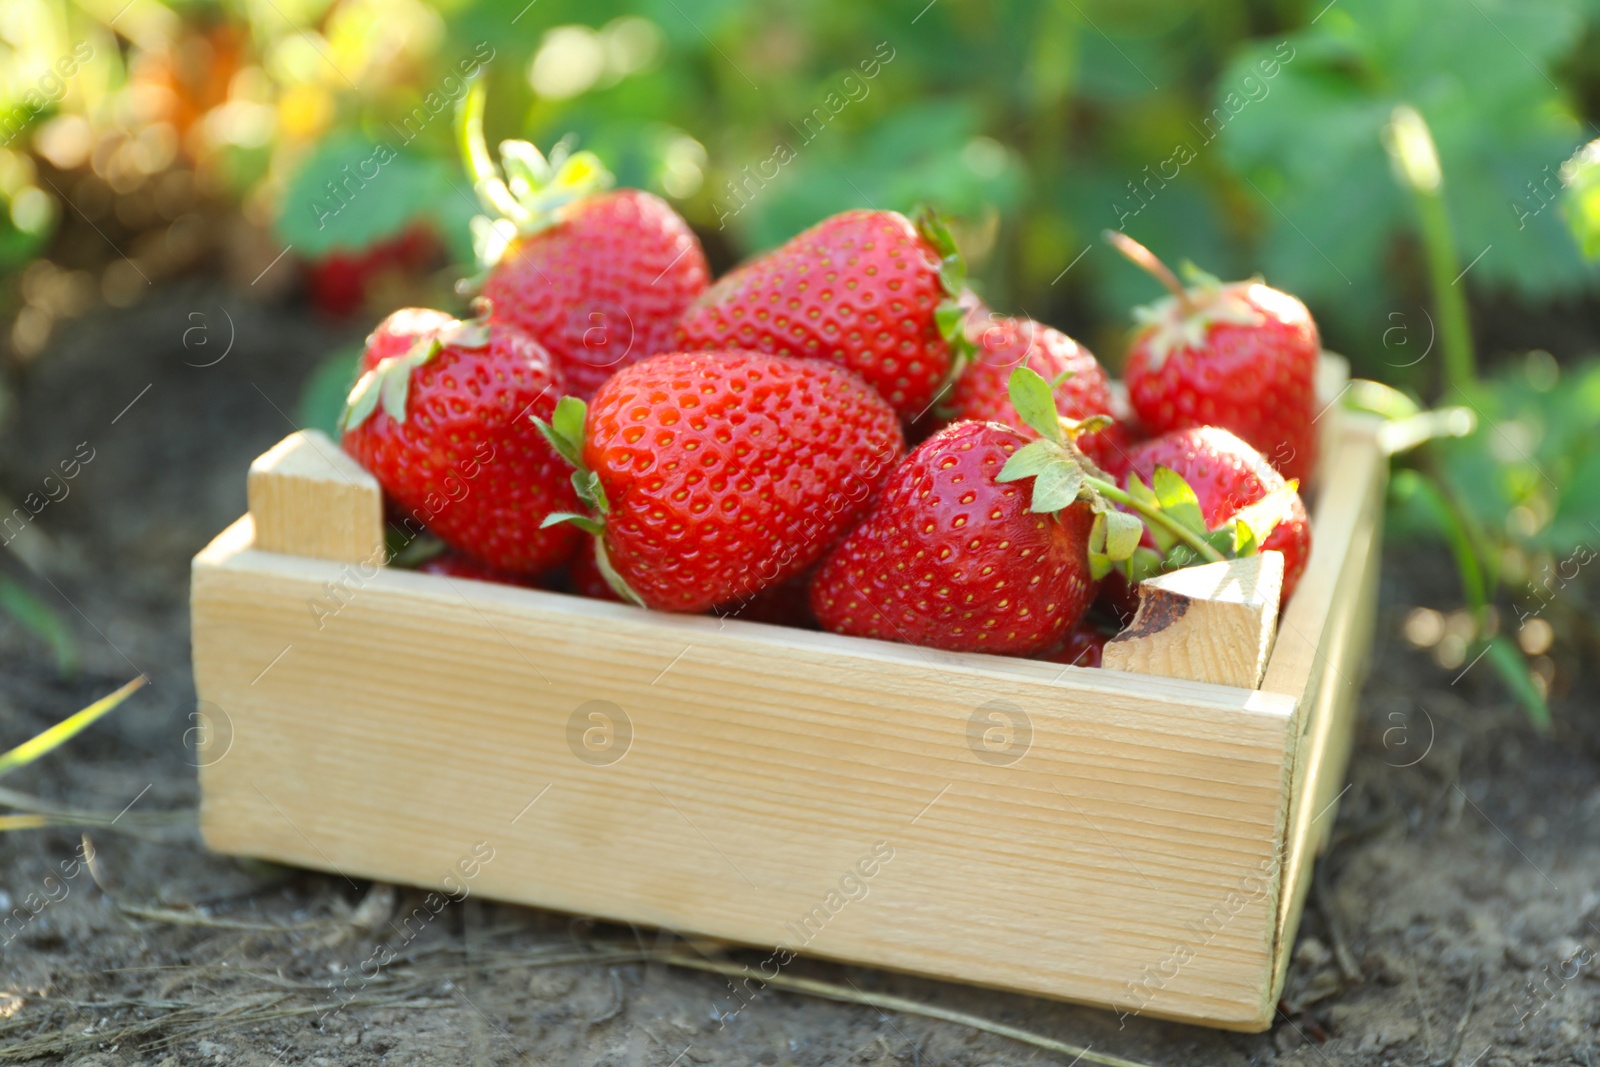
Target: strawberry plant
1511, 496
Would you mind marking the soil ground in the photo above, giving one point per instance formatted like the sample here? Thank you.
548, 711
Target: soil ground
1455, 920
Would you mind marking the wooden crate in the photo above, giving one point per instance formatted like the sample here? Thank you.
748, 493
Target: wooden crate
1142, 843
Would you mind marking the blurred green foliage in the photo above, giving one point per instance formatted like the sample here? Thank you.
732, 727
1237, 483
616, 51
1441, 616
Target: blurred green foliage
1516, 503
1242, 135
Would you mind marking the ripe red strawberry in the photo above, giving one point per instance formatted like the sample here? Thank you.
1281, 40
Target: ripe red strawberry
446, 428
785, 604
716, 475
1003, 343
455, 565
867, 290
1242, 356
953, 558
400, 332
339, 282
598, 277
604, 286
1226, 475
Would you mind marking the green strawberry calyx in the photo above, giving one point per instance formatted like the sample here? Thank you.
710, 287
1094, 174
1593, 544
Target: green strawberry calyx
389, 383
951, 314
564, 431
534, 188
1185, 318
1168, 507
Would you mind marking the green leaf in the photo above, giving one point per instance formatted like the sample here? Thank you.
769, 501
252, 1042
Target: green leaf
1058, 479
467, 333
1221, 539
953, 274
1031, 460
353, 192
1144, 563
949, 317
1177, 499
1244, 539
322, 400
618, 584
1165, 539
1410, 487
1057, 486
522, 161
1179, 557
408, 552
66, 730
582, 522
1512, 667
362, 402
1108, 541
1034, 401
586, 483
568, 420
395, 385
35, 615
1311, 145
1380, 399
1123, 533
1582, 197
1141, 492
1076, 428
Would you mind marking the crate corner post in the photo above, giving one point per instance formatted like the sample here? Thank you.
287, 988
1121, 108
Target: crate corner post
308, 498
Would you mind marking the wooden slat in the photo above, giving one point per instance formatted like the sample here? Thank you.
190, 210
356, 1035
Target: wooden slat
1320, 659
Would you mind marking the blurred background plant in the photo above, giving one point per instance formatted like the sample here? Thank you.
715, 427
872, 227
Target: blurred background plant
302, 150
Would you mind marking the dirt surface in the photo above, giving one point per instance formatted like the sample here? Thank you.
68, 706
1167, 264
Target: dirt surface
1455, 922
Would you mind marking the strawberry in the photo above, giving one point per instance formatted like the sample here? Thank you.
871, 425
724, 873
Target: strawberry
445, 428
1242, 356
1082, 647
455, 565
339, 282
400, 332
1227, 476
715, 475
785, 604
1004, 343
953, 558
868, 290
598, 277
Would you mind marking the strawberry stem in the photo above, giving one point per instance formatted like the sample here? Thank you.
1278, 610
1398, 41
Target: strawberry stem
476, 160
1148, 261
950, 315
1114, 493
